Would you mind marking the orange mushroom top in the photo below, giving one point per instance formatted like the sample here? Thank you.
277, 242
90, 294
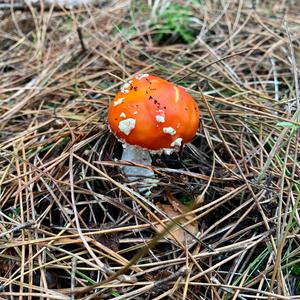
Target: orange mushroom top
153, 113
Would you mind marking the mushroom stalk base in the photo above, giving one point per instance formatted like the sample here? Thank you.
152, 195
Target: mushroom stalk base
142, 157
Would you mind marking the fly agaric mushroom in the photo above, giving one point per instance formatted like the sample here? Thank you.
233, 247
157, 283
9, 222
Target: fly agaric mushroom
151, 114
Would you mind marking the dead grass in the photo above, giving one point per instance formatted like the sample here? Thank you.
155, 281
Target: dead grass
72, 227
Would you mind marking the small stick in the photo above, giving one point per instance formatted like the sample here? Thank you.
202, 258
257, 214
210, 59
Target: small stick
17, 228
73, 276
80, 36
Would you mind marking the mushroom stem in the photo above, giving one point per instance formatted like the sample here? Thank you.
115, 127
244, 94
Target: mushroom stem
139, 156
144, 177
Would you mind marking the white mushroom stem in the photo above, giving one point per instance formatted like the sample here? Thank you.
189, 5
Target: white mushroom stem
145, 176
138, 156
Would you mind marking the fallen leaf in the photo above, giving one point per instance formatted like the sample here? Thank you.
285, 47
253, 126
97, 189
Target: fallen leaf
177, 233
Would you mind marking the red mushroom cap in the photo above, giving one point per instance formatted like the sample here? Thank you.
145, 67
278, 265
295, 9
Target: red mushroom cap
153, 113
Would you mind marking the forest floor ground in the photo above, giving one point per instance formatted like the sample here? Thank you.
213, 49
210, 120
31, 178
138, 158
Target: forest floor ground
73, 227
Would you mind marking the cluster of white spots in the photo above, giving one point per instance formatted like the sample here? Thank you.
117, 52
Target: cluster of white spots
141, 76
169, 130
126, 126
161, 117
168, 151
119, 101
122, 115
125, 86
135, 112
177, 142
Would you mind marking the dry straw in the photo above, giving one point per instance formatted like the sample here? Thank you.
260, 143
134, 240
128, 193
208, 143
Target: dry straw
73, 227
